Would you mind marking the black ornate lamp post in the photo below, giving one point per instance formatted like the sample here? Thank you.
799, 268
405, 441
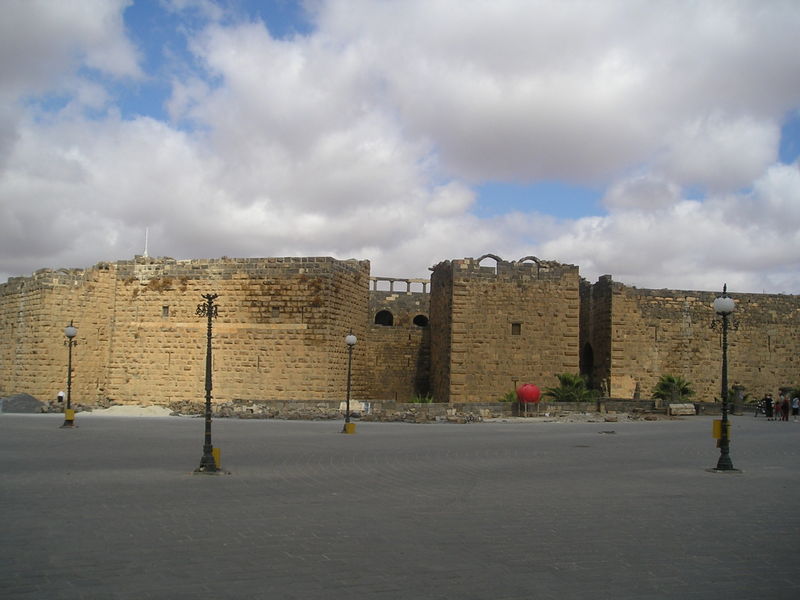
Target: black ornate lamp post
210, 310
69, 415
350, 340
724, 307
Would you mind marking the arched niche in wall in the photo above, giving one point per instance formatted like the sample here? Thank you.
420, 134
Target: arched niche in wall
421, 321
384, 317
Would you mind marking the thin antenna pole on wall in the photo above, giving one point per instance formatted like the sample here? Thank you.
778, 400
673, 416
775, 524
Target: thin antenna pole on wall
146, 235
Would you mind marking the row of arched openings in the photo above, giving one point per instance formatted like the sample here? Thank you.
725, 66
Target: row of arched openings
386, 318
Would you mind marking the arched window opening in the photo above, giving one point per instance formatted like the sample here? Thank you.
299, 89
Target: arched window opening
384, 317
536, 263
497, 260
421, 321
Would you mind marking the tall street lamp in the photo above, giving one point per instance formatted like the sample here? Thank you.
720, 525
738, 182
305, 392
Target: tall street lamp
724, 307
209, 310
70, 331
350, 340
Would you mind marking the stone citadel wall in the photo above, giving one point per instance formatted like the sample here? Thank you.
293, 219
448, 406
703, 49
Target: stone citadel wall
653, 332
492, 326
279, 334
33, 313
478, 327
398, 339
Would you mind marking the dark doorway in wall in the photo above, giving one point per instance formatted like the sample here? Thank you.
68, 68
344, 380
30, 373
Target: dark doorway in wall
421, 321
384, 317
587, 365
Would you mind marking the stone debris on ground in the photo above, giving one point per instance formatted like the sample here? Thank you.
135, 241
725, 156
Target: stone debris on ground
130, 410
24, 403
21, 403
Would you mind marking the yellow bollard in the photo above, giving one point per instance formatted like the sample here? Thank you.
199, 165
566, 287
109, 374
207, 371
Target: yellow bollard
69, 418
217, 454
349, 428
717, 429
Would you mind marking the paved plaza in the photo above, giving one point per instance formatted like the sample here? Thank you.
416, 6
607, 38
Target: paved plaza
485, 511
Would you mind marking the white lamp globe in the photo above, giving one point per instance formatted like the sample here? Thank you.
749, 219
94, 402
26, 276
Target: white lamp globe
350, 340
724, 305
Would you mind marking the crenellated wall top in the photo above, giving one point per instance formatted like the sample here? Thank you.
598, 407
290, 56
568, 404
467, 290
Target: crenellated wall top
491, 265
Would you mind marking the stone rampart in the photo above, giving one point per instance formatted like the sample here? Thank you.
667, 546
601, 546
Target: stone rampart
398, 340
657, 332
502, 323
477, 329
280, 331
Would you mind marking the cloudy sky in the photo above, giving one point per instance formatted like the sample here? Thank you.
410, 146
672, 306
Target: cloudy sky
654, 141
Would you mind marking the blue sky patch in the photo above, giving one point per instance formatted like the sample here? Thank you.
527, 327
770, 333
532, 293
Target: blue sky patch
562, 200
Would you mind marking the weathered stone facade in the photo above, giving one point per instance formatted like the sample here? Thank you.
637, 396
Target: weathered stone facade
467, 336
278, 335
492, 326
630, 337
397, 349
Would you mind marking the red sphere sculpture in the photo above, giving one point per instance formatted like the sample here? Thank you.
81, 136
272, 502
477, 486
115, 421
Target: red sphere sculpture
529, 393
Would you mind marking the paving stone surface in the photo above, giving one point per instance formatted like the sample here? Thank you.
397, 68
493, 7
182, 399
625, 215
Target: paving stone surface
496, 511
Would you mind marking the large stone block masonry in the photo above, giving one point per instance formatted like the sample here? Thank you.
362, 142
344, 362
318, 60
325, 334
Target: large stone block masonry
479, 327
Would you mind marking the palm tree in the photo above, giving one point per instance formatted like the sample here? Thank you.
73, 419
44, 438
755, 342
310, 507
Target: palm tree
672, 387
572, 388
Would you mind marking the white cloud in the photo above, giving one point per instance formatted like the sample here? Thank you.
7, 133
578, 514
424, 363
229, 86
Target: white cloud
645, 192
720, 152
363, 138
580, 91
42, 42
774, 203
749, 240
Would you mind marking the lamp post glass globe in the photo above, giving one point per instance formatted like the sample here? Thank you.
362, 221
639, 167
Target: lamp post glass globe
70, 330
724, 305
350, 340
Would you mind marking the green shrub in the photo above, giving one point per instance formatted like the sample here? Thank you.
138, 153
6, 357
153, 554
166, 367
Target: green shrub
673, 387
571, 388
509, 397
420, 399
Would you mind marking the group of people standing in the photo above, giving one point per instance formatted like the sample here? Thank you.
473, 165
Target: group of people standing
778, 410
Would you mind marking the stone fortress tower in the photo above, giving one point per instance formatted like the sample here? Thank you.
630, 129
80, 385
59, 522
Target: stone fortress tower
479, 327
278, 334
497, 324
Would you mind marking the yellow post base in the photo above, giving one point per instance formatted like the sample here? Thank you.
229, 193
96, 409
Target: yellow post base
349, 428
217, 454
69, 418
717, 429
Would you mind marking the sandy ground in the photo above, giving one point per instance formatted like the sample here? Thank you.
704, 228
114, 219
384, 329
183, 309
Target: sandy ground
129, 411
